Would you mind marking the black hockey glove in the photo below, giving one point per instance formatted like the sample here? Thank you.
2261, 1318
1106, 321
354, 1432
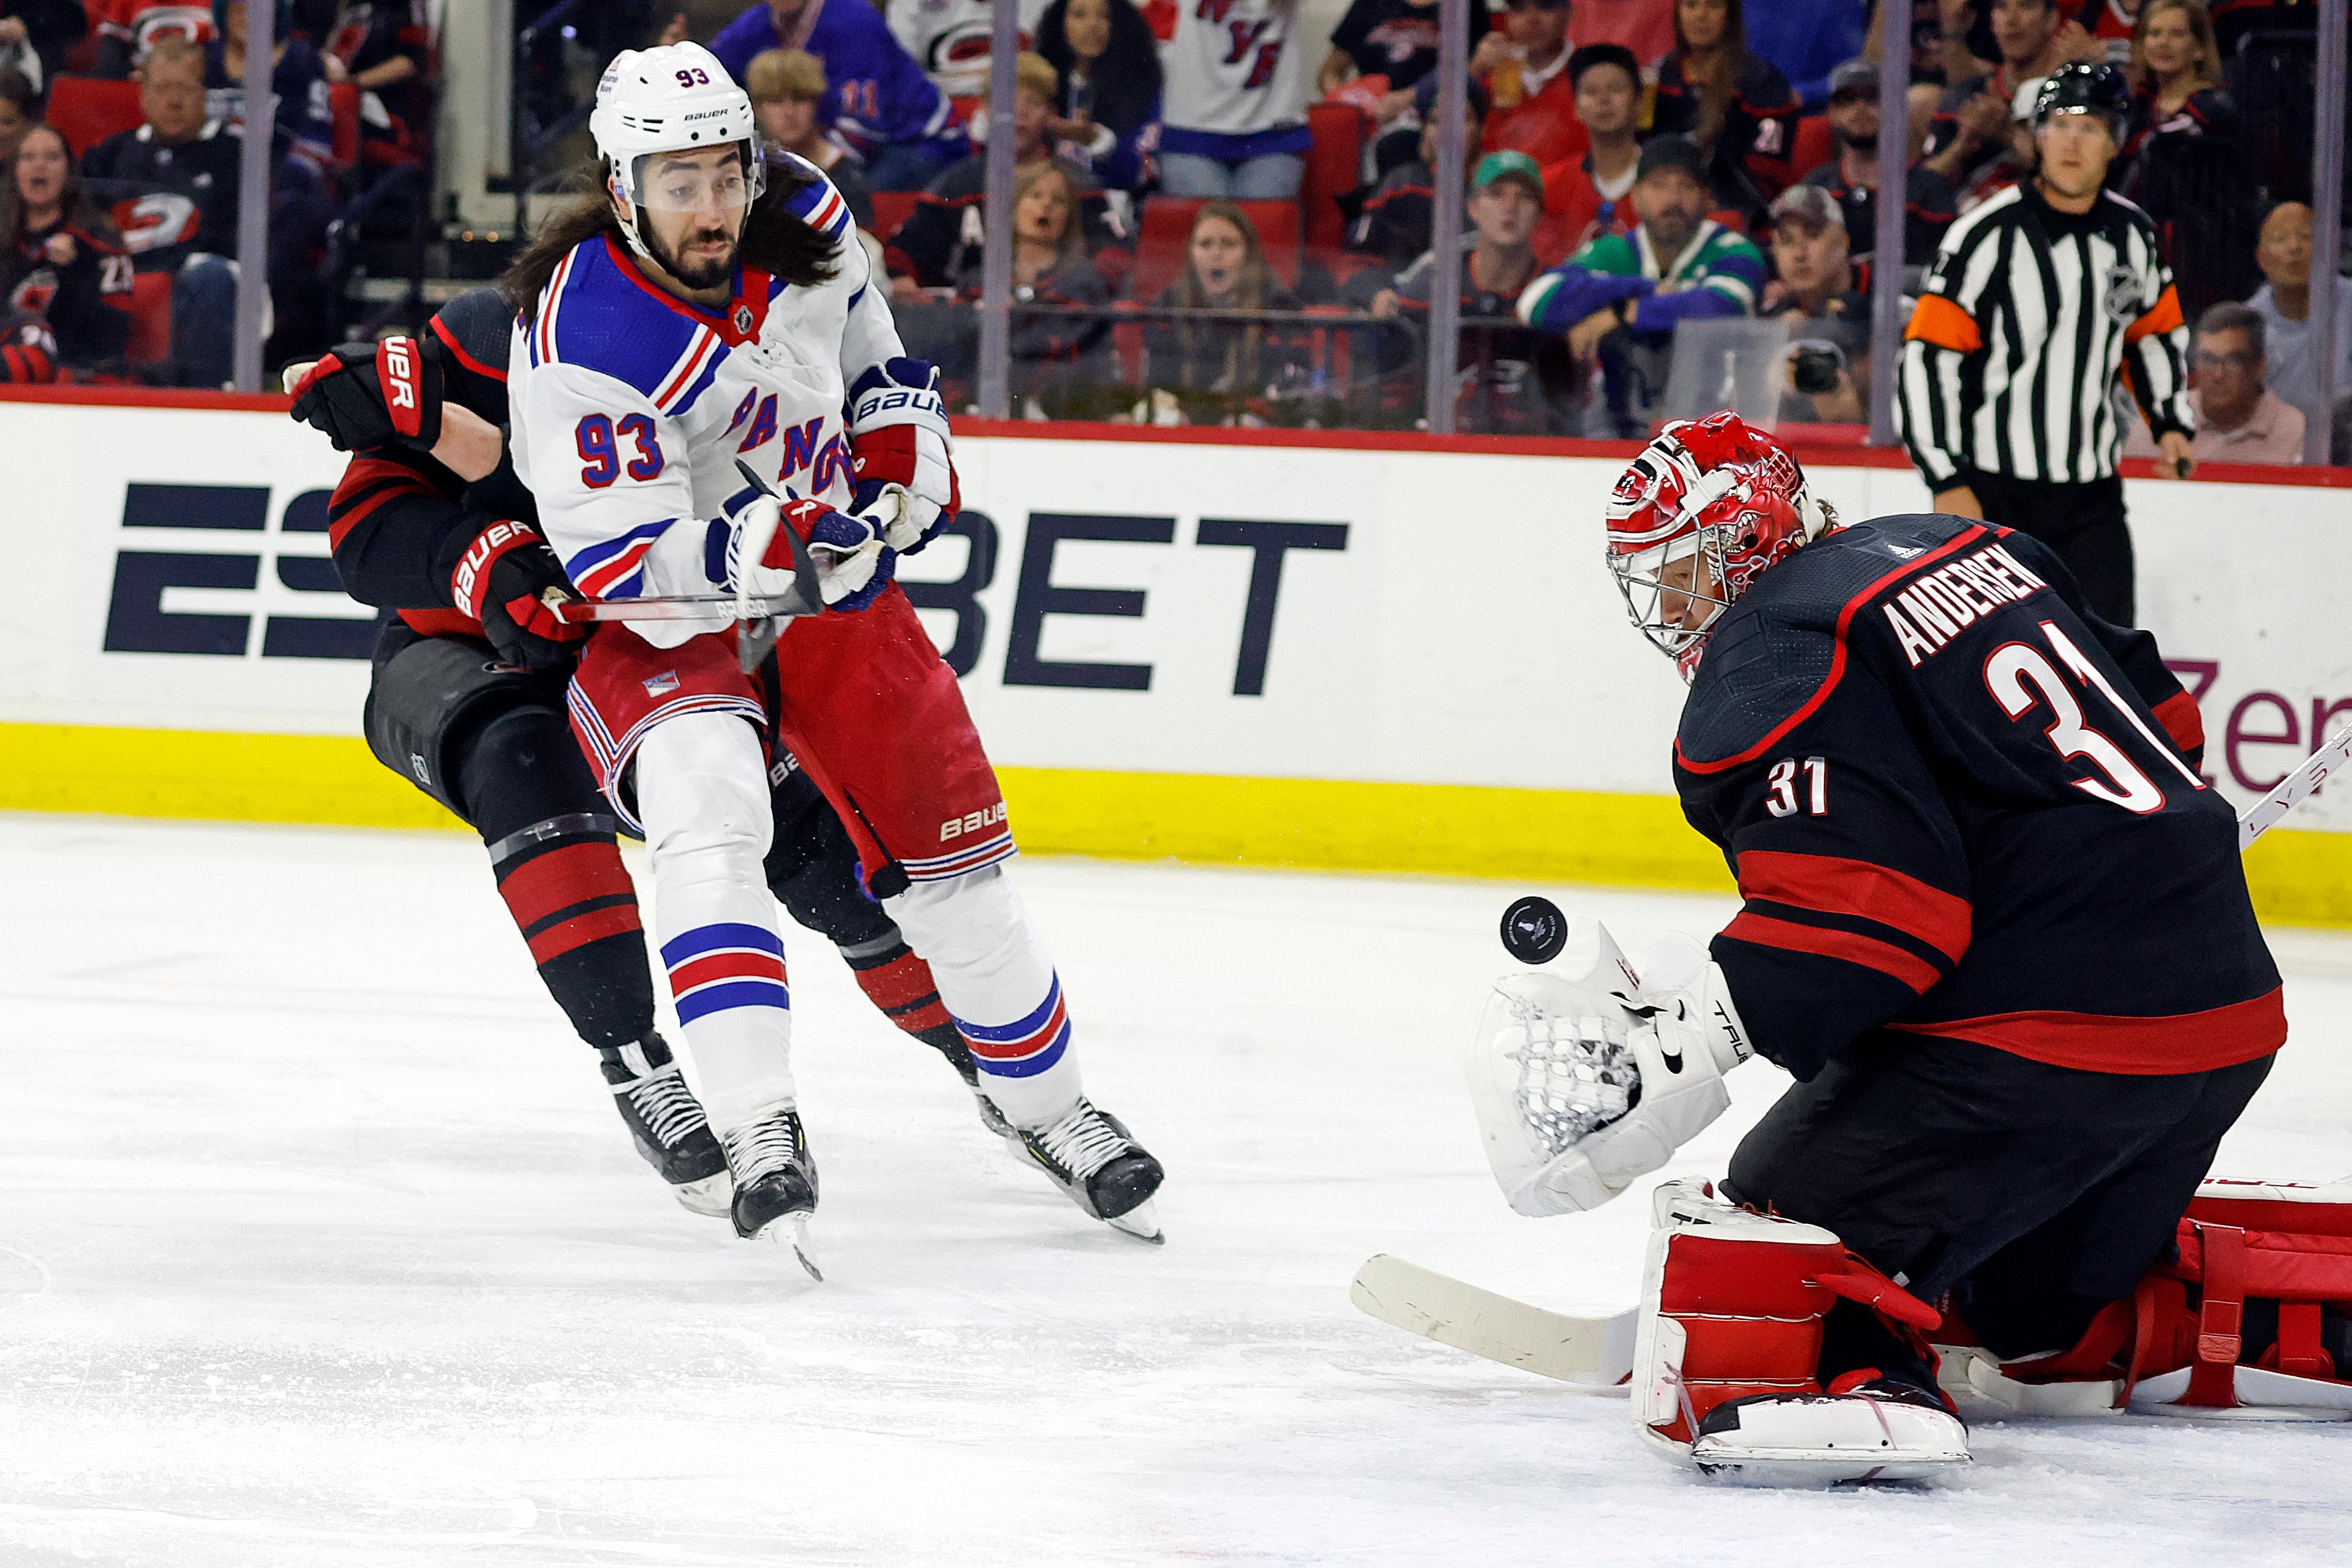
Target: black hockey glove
365, 395
505, 580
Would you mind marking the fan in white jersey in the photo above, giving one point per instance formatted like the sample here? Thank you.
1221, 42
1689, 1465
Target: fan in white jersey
674, 327
951, 39
1235, 110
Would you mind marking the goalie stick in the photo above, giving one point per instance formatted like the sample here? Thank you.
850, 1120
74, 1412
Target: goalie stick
2295, 788
1598, 1351
1592, 1352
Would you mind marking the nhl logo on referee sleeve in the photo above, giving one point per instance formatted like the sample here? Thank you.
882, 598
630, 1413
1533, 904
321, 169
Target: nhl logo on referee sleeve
2122, 294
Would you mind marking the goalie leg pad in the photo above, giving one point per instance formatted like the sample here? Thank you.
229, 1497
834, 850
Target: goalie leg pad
1728, 1355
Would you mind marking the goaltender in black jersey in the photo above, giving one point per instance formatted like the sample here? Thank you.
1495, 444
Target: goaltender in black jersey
1992, 921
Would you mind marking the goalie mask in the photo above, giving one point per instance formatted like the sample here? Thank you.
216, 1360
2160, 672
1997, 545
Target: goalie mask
1701, 513
677, 98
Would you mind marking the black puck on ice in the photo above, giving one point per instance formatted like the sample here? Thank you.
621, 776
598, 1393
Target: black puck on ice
1534, 931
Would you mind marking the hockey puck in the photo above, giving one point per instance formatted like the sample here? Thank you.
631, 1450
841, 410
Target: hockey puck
1534, 931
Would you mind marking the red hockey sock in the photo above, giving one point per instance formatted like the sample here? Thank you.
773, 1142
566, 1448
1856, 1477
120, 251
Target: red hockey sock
900, 984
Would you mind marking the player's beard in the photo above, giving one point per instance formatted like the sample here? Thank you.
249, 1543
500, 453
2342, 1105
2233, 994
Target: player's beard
706, 275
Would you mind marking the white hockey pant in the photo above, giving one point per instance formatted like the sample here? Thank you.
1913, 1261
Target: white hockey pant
998, 982
702, 794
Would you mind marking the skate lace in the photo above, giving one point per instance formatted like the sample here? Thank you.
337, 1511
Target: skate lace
761, 1148
1082, 1142
666, 1105
1574, 1080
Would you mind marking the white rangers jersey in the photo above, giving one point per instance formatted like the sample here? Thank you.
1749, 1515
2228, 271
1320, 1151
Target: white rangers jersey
951, 39
630, 407
1236, 68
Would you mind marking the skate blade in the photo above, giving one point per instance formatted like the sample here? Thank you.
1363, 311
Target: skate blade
1141, 1222
712, 1198
792, 1230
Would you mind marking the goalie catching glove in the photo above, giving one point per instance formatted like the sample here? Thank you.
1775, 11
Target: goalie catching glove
898, 443
853, 564
365, 396
510, 581
1585, 1079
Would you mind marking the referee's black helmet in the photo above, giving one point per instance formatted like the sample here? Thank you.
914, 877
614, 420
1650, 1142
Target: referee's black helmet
2085, 89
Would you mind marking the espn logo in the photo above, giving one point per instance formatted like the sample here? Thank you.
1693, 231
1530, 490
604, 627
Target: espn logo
973, 822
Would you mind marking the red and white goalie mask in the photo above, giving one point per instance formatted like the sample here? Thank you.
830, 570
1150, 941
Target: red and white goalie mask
1708, 506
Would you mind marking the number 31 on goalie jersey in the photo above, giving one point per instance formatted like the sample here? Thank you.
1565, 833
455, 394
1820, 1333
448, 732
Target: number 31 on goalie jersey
599, 438
2022, 680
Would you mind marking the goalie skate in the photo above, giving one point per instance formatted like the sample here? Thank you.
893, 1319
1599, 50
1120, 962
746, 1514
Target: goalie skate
775, 1182
1089, 1155
667, 1123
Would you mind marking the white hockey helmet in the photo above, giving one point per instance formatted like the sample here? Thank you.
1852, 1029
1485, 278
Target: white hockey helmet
669, 99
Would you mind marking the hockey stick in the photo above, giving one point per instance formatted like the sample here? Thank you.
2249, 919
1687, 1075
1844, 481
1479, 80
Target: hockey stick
2295, 788
1592, 1352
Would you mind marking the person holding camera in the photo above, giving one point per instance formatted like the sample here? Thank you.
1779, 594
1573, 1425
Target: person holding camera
1822, 295
2038, 299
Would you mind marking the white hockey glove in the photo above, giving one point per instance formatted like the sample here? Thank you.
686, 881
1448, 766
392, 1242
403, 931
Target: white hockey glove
853, 565
1587, 1079
905, 461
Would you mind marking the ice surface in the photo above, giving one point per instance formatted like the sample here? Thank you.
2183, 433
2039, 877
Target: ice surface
321, 1245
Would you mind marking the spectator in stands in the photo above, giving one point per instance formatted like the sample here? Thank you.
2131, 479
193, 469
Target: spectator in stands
1525, 70
34, 36
949, 224
1645, 26
1393, 222
1621, 297
1972, 125
954, 43
1732, 101
2181, 159
1222, 370
877, 99
786, 87
1393, 38
1106, 110
1593, 194
2284, 303
127, 29
61, 258
1852, 177
2238, 420
380, 46
1236, 116
172, 184
304, 140
1824, 299
1806, 40
1057, 360
302, 186
20, 109
1513, 378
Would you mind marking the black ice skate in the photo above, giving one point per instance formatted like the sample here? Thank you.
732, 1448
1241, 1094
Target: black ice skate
775, 1182
1091, 1156
665, 1123
951, 1045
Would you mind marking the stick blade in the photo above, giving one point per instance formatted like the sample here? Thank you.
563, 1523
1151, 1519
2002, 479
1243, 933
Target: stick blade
1594, 1353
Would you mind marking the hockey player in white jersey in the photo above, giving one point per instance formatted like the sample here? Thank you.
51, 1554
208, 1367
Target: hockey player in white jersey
680, 322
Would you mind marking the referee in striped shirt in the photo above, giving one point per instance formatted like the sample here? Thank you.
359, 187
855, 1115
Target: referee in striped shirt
2037, 298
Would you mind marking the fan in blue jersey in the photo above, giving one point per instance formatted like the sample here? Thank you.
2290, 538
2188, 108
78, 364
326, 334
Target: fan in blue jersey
1994, 924
877, 99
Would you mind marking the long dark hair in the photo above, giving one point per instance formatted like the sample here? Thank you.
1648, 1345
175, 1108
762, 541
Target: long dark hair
1253, 290
1715, 88
774, 239
74, 201
1126, 80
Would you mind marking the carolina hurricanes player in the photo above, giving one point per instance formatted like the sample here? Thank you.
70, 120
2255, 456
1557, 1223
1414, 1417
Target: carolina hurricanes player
671, 326
466, 703
1994, 923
